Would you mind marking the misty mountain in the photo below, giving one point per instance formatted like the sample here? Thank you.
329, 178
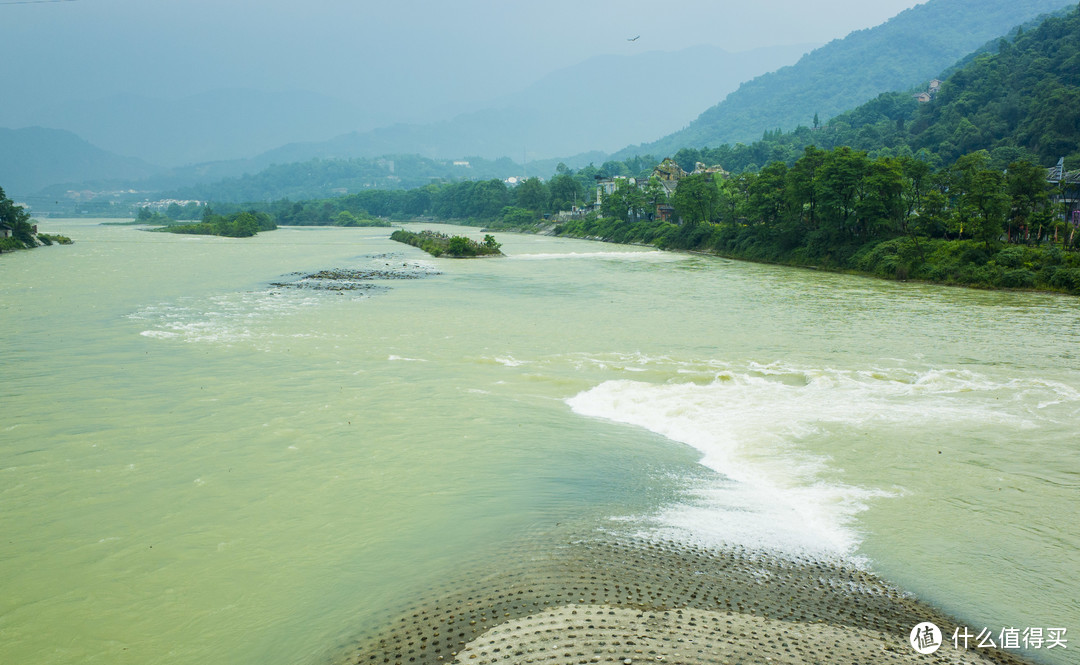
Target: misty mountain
902, 53
35, 157
215, 125
599, 104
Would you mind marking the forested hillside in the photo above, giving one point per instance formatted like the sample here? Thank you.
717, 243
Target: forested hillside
907, 51
1020, 102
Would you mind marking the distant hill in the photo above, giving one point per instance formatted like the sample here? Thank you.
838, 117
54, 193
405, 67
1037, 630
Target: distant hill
904, 52
215, 125
323, 178
1018, 99
35, 157
599, 104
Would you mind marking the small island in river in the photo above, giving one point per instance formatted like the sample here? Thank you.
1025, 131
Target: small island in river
455, 247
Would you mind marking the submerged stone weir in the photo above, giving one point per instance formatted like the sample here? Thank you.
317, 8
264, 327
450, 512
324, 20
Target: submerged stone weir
625, 600
358, 279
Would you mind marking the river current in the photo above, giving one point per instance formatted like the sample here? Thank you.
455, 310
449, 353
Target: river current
206, 457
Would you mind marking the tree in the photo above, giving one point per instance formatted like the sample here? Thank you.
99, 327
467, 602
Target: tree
244, 226
801, 185
881, 204
346, 218
532, 194
766, 193
839, 182
566, 191
460, 246
626, 203
980, 200
1029, 199
18, 219
696, 199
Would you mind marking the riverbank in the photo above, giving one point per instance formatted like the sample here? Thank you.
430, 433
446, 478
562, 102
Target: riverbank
617, 598
966, 263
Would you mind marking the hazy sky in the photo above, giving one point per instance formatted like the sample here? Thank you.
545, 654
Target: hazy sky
397, 53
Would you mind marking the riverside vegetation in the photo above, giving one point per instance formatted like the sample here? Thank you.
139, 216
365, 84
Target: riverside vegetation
24, 235
441, 244
238, 225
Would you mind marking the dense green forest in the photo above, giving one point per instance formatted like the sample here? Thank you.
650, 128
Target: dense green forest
908, 50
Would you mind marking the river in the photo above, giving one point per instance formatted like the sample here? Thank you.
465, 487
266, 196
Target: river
203, 461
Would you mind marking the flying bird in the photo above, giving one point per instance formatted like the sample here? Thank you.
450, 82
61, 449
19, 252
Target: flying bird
634, 39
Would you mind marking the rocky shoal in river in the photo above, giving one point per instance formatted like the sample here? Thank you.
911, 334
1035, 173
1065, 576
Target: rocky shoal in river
621, 599
358, 279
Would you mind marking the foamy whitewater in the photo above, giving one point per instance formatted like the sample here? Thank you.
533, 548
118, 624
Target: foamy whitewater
748, 423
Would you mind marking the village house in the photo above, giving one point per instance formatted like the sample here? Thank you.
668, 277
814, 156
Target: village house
5, 230
667, 173
931, 91
606, 186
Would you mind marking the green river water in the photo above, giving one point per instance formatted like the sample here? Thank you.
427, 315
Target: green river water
199, 465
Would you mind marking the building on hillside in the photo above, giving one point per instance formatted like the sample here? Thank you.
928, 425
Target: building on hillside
667, 173
606, 185
668, 169
931, 91
710, 171
5, 230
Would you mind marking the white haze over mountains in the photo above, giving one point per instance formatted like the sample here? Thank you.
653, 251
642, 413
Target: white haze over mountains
181, 81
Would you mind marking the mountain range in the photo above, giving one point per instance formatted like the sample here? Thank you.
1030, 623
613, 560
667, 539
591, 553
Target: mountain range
602, 103
215, 125
226, 133
906, 51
